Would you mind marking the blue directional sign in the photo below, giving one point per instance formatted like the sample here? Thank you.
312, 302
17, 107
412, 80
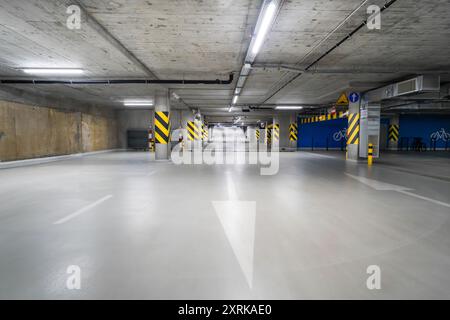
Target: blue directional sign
353, 97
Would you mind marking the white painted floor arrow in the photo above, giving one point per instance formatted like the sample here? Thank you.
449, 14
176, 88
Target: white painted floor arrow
382, 186
238, 222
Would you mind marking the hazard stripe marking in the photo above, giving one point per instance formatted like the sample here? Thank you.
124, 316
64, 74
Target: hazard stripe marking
162, 127
353, 129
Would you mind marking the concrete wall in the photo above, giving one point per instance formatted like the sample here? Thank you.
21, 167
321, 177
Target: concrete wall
143, 119
132, 120
29, 132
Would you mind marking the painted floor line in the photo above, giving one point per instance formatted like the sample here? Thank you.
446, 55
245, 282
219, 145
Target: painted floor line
319, 155
151, 173
424, 198
382, 186
83, 210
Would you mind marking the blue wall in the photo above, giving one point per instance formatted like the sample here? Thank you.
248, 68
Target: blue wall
411, 126
319, 132
423, 126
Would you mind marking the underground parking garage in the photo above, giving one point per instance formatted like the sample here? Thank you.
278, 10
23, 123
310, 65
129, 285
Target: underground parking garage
224, 150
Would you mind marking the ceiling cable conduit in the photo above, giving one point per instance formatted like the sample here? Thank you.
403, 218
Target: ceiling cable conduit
118, 81
294, 69
364, 23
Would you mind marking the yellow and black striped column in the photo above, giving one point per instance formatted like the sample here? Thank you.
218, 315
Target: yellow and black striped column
269, 134
162, 127
193, 131
353, 129
393, 132
205, 131
257, 134
293, 132
276, 132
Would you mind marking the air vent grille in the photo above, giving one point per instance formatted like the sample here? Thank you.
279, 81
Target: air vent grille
406, 87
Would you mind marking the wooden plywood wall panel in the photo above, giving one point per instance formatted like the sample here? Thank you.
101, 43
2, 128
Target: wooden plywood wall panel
7, 132
30, 132
98, 133
65, 132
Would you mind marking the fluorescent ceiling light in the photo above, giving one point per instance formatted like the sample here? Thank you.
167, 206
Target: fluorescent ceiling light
230, 109
240, 82
235, 99
134, 104
288, 108
138, 103
61, 71
264, 27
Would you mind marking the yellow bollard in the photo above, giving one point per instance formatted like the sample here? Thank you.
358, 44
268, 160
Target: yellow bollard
370, 155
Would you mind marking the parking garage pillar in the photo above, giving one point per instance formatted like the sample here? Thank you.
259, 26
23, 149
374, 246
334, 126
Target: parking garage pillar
353, 128
393, 132
251, 137
162, 125
275, 133
283, 120
293, 136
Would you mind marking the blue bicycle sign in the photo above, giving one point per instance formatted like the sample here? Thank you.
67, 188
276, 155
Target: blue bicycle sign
440, 135
339, 135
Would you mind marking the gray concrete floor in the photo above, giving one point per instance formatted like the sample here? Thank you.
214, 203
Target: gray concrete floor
149, 230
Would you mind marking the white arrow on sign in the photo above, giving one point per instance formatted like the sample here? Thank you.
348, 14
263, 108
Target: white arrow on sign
238, 222
382, 186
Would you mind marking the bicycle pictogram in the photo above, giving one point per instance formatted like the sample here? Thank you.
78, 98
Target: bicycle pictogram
440, 135
339, 135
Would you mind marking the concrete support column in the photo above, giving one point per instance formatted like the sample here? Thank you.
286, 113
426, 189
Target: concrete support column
275, 136
394, 132
284, 120
162, 150
187, 116
353, 124
268, 133
251, 135
293, 120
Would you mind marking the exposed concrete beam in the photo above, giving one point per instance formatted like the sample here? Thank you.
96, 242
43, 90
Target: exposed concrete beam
289, 78
296, 69
101, 30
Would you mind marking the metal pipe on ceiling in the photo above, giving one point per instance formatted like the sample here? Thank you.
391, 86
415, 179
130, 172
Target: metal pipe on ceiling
118, 81
292, 68
360, 26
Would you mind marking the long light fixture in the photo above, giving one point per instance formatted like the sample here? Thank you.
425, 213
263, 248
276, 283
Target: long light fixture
59, 71
230, 109
288, 108
264, 27
138, 103
265, 20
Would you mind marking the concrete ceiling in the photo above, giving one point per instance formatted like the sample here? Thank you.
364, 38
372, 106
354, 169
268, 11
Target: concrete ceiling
195, 39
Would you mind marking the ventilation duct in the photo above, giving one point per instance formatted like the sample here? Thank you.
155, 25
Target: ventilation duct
416, 85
